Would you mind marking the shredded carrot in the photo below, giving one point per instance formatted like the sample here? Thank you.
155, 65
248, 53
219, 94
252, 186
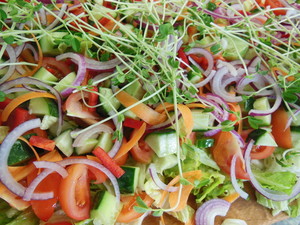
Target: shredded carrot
40, 61
32, 148
136, 136
282, 72
162, 220
191, 176
187, 118
232, 197
141, 110
192, 31
196, 105
19, 100
165, 106
14, 200
25, 54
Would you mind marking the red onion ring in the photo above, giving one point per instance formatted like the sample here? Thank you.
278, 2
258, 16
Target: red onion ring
79, 140
219, 100
5, 176
58, 17
206, 80
28, 80
115, 148
270, 194
278, 100
158, 182
206, 54
235, 185
290, 120
51, 166
80, 72
206, 213
97, 65
217, 83
12, 59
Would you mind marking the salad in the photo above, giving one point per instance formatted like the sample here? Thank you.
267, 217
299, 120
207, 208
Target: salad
113, 111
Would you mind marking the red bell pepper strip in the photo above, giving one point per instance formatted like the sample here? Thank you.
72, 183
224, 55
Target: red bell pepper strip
132, 123
93, 99
42, 142
108, 162
5, 103
202, 61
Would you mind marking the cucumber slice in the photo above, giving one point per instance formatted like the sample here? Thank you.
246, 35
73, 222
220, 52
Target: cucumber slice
106, 208
163, 142
262, 137
108, 101
43, 106
296, 139
236, 48
202, 120
48, 121
48, 45
44, 75
64, 143
65, 82
263, 104
67, 125
105, 141
89, 145
128, 182
136, 90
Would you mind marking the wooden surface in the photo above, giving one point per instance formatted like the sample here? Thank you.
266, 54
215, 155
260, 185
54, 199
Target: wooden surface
250, 211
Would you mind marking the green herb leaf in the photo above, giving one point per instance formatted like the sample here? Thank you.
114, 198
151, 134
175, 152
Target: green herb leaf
184, 181
140, 209
255, 122
9, 39
141, 203
2, 96
157, 213
205, 143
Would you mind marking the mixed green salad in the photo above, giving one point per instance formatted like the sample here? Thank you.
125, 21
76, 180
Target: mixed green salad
115, 110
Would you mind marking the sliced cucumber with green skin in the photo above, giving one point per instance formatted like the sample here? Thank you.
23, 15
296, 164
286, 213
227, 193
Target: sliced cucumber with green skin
48, 121
43, 106
44, 75
108, 101
105, 141
48, 45
262, 137
67, 125
129, 180
87, 147
202, 120
163, 142
27, 217
106, 208
65, 82
263, 104
64, 143
236, 48
135, 89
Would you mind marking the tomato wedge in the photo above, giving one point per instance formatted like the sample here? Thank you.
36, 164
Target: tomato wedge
226, 146
57, 68
276, 4
74, 192
44, 209
142, 152
262, 152
128, 213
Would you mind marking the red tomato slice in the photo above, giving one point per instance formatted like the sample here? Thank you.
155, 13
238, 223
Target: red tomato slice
74, 192
59, 223
281, 135
142, 152
76, 108
262, 152
276, 4
128, 213
226, 146
57, 68
44, 209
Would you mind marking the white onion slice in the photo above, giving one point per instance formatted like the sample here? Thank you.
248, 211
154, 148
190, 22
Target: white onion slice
270, 194
235, 185
206, 213
158, 182
51, 166
5, 176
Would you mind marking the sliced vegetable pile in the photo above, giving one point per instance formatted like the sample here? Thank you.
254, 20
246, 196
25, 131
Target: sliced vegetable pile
115, 110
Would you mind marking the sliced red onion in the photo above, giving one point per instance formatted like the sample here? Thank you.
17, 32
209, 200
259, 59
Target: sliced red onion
216, 15
211, 132
158, 182
270, 194
206, 213
79, 140
51, 166
12, 59
5, 176
219, 100
19, 49
28, 80
58, 17
278, 100
232, 9
97, 65
115, 148
16, 89
217, 84
206, 80
234, 182
238, 138
33, 50
80, 72
231, 68
98, 166
28, 88
43, 17
206, 54
290, 120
